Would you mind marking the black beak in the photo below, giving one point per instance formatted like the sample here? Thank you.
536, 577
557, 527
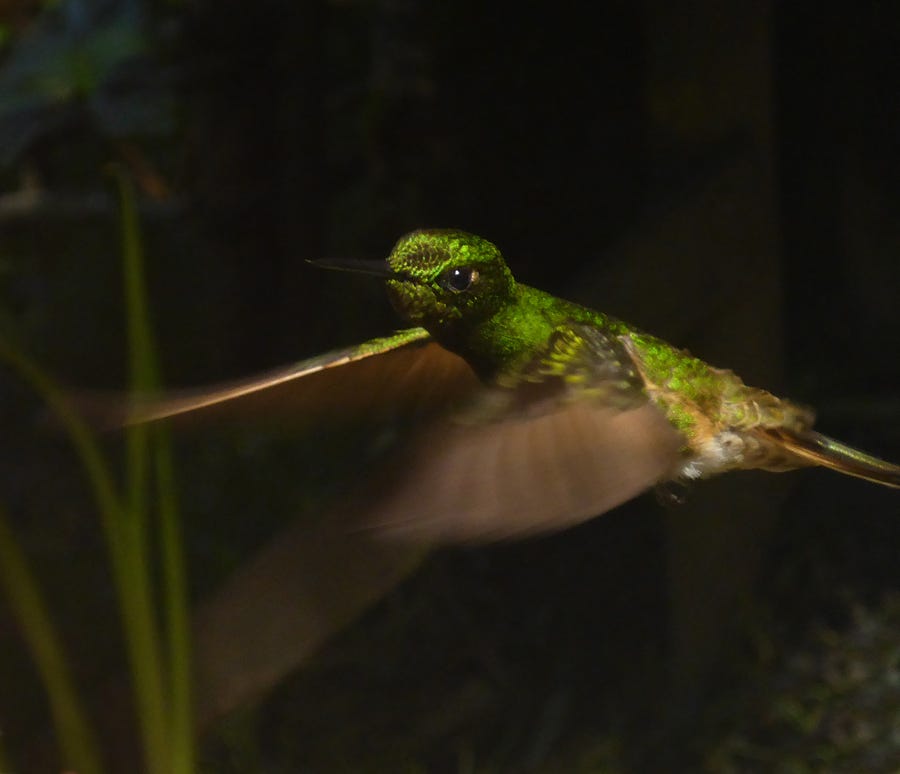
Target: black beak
379, 268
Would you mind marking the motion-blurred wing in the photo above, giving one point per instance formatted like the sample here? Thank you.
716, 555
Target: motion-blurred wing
564, 438
404, 372
524, 476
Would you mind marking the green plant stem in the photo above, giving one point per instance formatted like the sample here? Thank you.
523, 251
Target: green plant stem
162, 690
144, 375
4, 758
147, 669
129, 567
177, 611
102, 486
79, 748
143, 642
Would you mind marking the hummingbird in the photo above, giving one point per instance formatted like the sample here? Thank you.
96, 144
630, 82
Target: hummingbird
536, 413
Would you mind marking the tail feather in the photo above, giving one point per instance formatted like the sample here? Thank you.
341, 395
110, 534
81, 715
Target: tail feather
819, 449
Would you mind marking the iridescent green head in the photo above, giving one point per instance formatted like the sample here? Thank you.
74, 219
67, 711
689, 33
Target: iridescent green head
447, 281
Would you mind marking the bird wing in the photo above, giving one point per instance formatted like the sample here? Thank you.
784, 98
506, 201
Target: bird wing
404, 371
564, 438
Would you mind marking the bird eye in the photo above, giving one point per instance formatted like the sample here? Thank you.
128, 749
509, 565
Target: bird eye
461, 278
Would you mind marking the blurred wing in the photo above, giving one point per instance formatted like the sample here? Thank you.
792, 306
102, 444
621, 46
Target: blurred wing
519, 477
406, 371
564, 438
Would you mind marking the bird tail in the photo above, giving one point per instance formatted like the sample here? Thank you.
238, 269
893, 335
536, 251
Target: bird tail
818, 449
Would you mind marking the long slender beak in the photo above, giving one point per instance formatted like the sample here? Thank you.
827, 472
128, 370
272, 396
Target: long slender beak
378, 268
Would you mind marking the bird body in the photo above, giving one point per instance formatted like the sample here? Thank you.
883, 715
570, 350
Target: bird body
517, 333
572, 411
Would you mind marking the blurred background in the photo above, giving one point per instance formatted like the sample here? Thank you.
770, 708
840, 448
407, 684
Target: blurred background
725, 175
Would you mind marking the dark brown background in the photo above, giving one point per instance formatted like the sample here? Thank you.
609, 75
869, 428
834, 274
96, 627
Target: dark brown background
725, 175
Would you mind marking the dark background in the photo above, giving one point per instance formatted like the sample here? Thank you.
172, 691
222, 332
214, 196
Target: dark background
724, 174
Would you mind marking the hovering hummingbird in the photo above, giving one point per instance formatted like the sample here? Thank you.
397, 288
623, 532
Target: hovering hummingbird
543, 413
